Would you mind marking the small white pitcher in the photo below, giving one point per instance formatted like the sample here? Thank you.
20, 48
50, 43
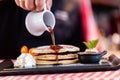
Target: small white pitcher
37, 22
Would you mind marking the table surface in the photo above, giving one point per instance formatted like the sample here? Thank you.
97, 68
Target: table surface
100, 75
104, 75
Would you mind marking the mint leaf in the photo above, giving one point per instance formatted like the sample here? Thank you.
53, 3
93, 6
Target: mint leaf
91, 44
87, 45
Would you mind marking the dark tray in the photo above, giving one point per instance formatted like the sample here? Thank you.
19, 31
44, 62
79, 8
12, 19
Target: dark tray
104, 65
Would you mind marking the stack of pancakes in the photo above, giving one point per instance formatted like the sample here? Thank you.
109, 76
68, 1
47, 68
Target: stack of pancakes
66, 54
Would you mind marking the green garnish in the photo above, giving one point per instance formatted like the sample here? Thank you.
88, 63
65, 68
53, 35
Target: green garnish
91, 44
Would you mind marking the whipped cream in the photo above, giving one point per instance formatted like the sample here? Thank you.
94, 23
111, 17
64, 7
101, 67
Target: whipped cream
25, 60
91, 50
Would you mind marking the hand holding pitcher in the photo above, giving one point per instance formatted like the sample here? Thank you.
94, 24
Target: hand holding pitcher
37, 5
37, 22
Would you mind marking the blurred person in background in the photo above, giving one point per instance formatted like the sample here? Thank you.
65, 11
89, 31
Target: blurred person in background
13, 33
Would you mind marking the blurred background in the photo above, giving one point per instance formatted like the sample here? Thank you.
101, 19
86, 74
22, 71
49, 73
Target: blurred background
107, 16
88, 19
76, 21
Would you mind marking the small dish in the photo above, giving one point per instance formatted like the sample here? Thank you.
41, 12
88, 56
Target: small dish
90, 57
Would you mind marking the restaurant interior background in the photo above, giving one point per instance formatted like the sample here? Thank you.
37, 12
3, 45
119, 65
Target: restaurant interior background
107, 17
106, 14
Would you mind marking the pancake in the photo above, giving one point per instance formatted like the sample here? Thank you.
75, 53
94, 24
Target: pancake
53, 56
44, 62
47, 49
65, 54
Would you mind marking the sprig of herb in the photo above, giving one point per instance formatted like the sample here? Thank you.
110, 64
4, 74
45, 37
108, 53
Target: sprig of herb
91, 44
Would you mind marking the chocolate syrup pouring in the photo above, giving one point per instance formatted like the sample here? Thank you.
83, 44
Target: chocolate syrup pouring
54, 46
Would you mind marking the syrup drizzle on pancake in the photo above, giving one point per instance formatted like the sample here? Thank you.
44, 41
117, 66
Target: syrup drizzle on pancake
54, 46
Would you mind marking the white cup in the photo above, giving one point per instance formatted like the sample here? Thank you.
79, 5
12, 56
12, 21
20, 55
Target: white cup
37, 22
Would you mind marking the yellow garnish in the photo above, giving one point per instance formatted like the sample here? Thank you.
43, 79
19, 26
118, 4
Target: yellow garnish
24, 49
31, 51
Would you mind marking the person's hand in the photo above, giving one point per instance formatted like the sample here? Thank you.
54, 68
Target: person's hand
37, 5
